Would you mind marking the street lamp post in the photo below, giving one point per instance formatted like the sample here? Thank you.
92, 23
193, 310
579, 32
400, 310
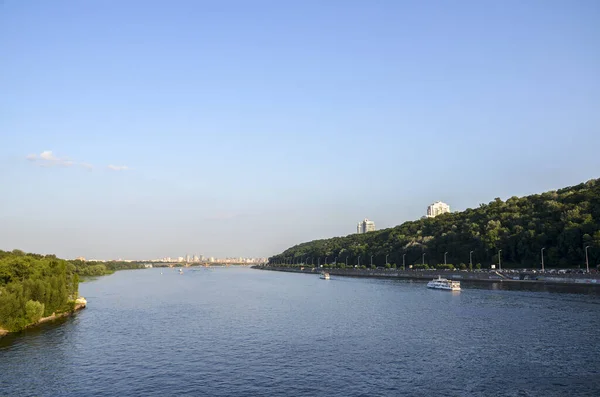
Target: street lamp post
335, 260
403, 261
346, 261
319, 262
371, 260
359, 261
471, 260
423, 259
445, 253
587, 261
386, 256
500, 260
542, 252
325, 260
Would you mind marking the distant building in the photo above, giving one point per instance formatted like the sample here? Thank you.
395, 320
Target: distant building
365, 226
437, 208
80, 258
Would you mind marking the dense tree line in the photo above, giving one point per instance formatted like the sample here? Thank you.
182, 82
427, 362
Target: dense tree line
562, 222
92, 269
33, 286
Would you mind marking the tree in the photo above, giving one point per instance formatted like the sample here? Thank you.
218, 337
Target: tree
564, 221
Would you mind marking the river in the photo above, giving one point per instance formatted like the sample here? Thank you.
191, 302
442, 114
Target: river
245, 332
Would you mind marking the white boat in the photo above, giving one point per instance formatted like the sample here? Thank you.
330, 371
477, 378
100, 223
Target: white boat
180, 271
324, 276
443, 283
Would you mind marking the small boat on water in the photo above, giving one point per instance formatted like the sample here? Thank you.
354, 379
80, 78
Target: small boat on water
324, 276
180, 271
443, 283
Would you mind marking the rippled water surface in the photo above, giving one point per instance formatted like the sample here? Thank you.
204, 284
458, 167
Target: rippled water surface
244, 332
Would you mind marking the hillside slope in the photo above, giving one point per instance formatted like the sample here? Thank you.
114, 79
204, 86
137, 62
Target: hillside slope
563, 222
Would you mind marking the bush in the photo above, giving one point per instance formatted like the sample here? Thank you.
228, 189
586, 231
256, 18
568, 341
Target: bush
34, 311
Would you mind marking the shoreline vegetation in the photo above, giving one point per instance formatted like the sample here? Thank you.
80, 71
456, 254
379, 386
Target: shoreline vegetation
39, 288
558, 229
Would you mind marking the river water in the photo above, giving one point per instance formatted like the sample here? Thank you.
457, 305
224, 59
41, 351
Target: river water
245, 332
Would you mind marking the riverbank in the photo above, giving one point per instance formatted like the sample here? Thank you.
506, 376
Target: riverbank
592, 280
80, 303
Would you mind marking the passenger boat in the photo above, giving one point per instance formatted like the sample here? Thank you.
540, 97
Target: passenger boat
443, 283
180, 271
324, 276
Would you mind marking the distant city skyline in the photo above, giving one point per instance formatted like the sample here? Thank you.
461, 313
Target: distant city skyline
144, 130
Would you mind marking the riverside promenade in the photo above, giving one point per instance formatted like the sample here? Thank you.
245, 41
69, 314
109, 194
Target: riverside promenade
508, 277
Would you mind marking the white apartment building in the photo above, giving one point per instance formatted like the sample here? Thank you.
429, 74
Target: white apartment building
437, 208
365, 226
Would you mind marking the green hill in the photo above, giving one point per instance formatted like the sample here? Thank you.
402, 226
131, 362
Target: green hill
563, 222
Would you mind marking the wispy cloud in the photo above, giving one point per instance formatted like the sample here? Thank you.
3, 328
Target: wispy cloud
118, 167
47, 159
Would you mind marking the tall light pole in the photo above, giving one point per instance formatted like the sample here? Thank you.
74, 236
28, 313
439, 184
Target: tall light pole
346, 261
403, 261
542, 252
335, 260
587, 262
445, 253
371, 260
359, 261
319, 262
325, 261
386, 256
500, 260
471, 260
423, 259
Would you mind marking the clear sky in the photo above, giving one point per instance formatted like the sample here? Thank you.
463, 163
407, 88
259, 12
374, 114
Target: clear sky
142, 129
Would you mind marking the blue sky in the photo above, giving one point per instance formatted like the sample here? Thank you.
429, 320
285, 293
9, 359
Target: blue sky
249, 126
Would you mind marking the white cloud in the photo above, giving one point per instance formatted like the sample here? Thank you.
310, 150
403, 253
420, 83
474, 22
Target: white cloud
118, 167
48, 156
48, 159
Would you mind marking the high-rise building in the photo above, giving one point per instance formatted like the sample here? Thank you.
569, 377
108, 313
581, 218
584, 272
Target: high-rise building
365, 226
437, 208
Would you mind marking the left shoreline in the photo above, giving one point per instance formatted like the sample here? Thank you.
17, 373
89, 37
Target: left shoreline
80, 303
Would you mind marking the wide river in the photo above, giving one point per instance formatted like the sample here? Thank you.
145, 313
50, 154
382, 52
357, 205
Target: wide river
245, 332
